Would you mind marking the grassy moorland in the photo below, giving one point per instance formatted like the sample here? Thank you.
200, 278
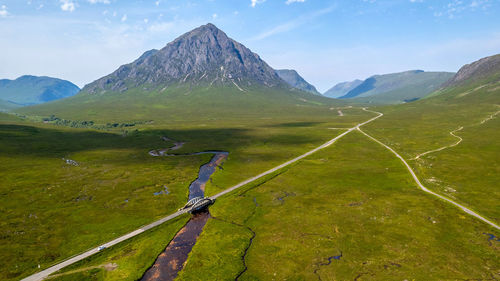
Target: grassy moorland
348, 212
52, 209
354, 200
468, 172
185, 105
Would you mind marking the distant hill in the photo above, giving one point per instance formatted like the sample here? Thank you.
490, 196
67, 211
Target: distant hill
485, 68
295, 80
398, 87
30, 90
201, 73
342, 88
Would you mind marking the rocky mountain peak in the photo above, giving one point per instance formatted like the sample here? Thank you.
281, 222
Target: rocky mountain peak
205, 55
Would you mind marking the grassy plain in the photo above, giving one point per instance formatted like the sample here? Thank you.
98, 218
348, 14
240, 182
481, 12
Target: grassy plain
354, 201
51, 210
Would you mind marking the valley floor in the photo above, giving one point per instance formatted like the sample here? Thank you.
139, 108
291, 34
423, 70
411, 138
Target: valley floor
350, 211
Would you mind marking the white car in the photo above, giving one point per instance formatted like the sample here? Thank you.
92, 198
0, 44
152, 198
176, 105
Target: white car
100, 248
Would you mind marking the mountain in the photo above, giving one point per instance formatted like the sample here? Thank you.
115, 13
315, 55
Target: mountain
398, 87
29, 90
342, 88
293, 79
488, 67
201, 74
204, 56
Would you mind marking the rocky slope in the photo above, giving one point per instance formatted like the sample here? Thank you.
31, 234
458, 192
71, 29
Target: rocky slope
488, 67
203, 56
293, 79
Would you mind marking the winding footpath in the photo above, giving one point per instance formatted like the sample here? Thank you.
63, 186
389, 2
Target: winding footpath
444, 147
458, 137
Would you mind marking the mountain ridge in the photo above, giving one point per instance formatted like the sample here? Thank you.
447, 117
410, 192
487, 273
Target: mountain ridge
293, 78
342, 88
397, 87
30, 90
205, 55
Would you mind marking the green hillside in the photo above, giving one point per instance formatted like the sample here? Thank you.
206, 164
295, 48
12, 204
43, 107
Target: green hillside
7, 106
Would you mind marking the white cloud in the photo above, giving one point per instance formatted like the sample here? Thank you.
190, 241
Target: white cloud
255, 2
416, 1
124, 18
288, 2
214, 16
455, 8
161, 27
67, 5
146, 20
3, 11
99, 1
157, 3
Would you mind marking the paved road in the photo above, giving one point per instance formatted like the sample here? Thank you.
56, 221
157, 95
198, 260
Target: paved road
468, 211
46, 272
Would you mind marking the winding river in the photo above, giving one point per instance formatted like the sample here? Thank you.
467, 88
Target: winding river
171, 261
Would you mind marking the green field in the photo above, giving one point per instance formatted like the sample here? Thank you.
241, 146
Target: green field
353, 199
51, 210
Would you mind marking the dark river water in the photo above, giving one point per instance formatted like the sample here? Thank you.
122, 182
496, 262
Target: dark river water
171, 261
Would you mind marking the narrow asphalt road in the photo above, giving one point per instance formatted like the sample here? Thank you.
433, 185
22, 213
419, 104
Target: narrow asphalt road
46, 272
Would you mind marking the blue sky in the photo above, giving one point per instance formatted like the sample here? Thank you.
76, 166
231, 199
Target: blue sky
325, 41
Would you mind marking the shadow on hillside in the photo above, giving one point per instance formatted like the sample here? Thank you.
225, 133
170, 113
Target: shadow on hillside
22, 140
296, 124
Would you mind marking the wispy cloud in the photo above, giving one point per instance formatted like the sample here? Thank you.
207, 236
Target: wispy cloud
3, 11
67, 5
99, 1
124, 18
255, 2
288, 2
288, 26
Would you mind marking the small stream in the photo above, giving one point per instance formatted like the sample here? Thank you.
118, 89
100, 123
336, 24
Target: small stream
171, 261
